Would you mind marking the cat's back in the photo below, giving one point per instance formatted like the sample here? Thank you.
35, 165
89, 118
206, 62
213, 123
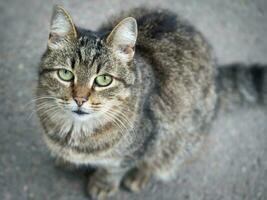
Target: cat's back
181, 60
161, 30
168, 42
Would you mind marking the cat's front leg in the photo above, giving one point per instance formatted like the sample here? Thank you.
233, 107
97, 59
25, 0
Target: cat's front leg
104, 183
137, 178
64, 164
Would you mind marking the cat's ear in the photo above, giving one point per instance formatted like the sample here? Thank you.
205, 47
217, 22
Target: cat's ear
122, 39
62, 29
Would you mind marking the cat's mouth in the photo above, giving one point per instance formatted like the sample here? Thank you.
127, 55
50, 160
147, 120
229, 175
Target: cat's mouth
80, 112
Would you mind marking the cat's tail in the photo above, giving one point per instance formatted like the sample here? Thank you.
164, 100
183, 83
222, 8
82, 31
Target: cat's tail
240, 83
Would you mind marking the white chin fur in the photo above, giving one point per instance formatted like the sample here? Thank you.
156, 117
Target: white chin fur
82, 118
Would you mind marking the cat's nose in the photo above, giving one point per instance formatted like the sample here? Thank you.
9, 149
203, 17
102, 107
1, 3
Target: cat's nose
80, 100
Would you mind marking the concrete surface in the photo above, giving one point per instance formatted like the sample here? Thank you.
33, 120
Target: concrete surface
234, 165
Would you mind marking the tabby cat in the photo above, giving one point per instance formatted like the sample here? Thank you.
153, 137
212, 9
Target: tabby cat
133, 99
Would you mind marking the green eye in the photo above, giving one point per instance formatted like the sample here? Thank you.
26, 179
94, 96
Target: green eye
65, 75
103, 80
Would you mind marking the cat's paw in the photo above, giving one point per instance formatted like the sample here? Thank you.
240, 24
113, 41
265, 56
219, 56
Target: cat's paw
99, 189
136, 179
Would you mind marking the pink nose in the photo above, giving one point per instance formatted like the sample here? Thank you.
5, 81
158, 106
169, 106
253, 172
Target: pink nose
80, 100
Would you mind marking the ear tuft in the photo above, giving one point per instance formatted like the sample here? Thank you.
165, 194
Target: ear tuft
62, 28
122, 39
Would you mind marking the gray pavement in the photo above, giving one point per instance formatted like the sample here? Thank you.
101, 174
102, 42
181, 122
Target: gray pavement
234, 164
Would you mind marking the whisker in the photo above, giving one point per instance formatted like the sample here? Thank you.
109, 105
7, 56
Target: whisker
51, 116
123, 116
40, 107
113, 119
120, 121
39, 98
47, 111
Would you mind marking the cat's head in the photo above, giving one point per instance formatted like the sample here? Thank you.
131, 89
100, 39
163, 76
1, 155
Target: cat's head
83, 75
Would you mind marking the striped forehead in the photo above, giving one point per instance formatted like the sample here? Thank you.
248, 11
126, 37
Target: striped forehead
84, 64
88, 48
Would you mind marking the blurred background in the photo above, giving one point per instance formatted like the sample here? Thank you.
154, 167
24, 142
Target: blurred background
234, 165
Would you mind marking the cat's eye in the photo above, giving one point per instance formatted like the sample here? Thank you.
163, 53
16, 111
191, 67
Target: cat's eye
65, 75
103, 80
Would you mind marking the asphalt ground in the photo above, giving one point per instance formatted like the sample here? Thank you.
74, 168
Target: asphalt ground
234, 164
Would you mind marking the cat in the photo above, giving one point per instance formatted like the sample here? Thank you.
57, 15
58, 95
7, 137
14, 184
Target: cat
134, 99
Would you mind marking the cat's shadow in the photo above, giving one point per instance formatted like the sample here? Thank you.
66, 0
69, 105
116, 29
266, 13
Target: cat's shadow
73, 174
81, 174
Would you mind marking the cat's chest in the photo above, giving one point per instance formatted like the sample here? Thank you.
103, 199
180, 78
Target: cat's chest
90, 159
83, 158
